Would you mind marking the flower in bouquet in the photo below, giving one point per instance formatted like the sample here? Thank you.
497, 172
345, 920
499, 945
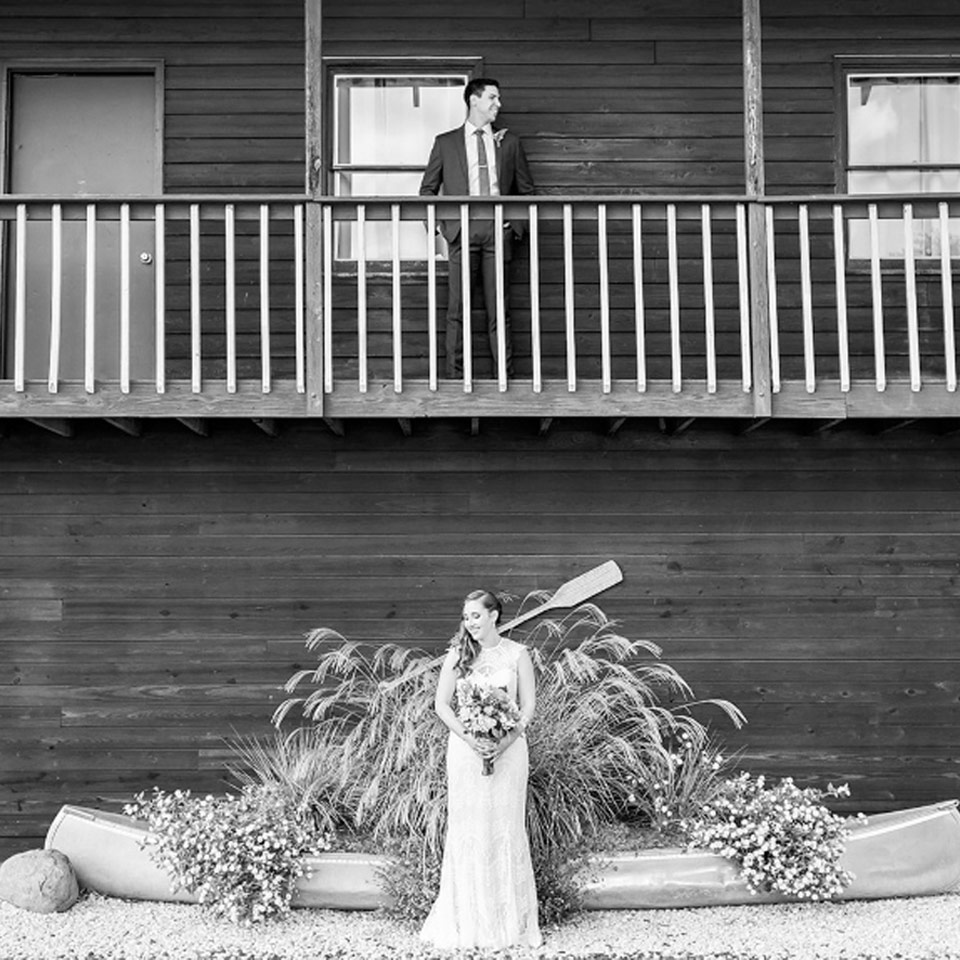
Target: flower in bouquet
486, 712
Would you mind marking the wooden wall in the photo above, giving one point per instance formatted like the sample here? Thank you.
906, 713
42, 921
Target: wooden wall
154, 591
609, 97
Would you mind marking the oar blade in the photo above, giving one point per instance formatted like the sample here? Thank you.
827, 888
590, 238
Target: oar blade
587, 585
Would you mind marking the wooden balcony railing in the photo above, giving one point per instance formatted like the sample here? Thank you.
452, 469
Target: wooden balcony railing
620, 306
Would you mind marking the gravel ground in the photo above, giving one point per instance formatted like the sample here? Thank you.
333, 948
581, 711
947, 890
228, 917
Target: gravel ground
100, 928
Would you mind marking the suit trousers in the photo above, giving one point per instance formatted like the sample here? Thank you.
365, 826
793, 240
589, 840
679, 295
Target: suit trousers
483, 266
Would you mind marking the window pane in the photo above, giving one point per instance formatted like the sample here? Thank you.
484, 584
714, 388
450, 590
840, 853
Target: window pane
391, 121
379, 233
899, 120
926, 233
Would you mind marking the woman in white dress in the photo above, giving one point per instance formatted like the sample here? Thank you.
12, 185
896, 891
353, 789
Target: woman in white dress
487, 897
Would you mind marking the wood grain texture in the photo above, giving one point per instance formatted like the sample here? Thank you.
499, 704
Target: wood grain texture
156, 589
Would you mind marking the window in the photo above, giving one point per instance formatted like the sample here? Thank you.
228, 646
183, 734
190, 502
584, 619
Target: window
903, 137
383, 128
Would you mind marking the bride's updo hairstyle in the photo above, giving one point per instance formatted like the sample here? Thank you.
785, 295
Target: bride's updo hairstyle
467, 647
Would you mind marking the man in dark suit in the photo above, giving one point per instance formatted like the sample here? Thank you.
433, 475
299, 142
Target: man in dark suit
476, 160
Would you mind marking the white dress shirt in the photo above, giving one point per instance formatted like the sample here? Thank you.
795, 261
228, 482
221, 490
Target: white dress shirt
473, 161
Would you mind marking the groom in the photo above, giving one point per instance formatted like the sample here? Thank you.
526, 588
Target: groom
475, 160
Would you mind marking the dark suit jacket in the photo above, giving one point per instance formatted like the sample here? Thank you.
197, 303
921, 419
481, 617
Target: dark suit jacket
447, 173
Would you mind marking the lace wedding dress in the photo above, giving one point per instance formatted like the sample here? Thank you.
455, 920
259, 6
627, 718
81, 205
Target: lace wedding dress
487, 893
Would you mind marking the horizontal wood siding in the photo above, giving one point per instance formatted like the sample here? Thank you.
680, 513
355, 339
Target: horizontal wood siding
154, 591
609, 98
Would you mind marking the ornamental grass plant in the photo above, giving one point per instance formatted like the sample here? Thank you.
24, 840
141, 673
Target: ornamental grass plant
600, 725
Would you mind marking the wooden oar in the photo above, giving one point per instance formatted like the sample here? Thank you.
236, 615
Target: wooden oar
574, 592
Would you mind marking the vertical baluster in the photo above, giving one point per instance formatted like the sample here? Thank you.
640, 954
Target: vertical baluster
124, 297
674, 276
743, 282
432, 294
772, 298
568, 296
195, 347
840, 272
299, 305
910, 276
265, 356
639, 310
160, 296
946, 287
500, 287
230, 292
327, 299
465, 299
90, 301
876, 286
395, 297
20, 301
706, 237
604, 264
535, 334
56, 296
806, 297
362, 294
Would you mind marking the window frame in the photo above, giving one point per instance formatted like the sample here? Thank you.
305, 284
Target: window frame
334, 67
846, 66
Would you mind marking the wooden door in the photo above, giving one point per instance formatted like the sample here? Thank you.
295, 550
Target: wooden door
75, 135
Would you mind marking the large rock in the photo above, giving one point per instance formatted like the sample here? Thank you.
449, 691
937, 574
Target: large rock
39, 880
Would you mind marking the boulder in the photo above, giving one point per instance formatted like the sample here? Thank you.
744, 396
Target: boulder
39, 880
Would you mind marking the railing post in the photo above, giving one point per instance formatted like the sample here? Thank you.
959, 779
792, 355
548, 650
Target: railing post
756, 224
313, 249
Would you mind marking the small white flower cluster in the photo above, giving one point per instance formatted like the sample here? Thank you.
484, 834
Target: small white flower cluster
239, 855
677, 782
783, 837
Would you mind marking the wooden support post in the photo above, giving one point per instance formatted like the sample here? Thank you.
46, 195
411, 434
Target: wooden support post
756, 227
129, 425
198, 425
828, 425
754, 425
62, 428
474, 426
268, 425
315, 188
899, 425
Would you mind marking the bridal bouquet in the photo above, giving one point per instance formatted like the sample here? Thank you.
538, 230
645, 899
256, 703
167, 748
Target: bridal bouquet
486, 711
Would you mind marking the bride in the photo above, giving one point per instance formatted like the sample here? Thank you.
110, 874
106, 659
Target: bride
487, 893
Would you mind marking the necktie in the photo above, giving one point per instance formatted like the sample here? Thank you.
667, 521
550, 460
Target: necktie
482, 164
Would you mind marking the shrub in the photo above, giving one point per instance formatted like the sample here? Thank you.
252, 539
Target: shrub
599, 724
680, 778
783, 837
239, 855
300, 765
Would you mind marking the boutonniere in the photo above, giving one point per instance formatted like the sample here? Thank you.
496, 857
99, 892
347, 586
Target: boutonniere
498, 136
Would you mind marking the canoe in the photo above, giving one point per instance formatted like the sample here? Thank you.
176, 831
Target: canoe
907, 853
108, 856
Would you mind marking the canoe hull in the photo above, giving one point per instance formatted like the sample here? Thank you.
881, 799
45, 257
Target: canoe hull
107, 853
906, 853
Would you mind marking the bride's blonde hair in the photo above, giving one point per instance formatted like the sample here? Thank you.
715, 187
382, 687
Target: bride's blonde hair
468, 648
